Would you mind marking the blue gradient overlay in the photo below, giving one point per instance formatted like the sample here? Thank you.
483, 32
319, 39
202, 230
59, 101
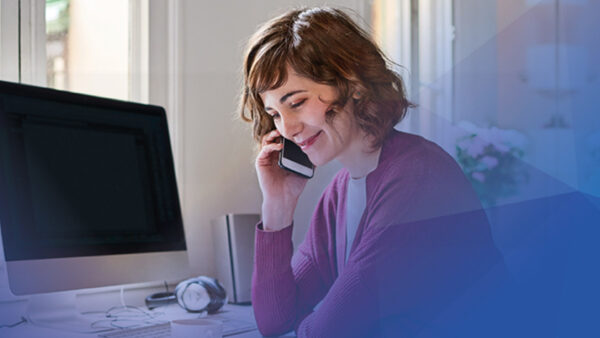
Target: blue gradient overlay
525, 128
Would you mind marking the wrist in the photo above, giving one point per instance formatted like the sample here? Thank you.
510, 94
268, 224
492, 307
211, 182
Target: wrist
277, 214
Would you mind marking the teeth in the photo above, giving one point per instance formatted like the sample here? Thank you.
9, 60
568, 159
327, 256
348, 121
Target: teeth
305, 142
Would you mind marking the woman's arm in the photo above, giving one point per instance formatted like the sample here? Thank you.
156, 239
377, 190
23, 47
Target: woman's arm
280, 188
280, 294
286, 288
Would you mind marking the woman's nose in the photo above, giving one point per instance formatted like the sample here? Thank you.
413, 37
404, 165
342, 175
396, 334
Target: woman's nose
290, 126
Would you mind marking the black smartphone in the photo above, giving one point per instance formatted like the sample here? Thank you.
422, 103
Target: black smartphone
292, 158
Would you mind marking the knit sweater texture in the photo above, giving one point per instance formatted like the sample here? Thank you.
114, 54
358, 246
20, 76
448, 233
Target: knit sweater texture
422, 246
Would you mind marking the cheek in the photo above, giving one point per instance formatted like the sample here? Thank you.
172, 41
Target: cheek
342, 127
316, 114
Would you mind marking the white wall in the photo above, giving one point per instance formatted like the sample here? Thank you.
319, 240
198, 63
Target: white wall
218, 154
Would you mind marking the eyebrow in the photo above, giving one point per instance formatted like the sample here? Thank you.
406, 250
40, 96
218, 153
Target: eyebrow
287, 96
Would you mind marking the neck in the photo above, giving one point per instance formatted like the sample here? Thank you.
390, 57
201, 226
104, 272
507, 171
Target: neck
360, 158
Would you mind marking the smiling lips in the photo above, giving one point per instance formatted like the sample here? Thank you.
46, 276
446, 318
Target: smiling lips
308, 142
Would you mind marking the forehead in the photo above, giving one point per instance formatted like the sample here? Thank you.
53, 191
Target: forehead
293, 82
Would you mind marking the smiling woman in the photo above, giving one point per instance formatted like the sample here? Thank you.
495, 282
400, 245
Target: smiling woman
345, 59
398, 234
300, 109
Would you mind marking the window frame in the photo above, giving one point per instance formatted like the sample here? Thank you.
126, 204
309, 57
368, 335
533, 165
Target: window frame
32, 46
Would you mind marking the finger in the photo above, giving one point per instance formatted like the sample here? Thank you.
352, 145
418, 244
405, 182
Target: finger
270, 137
266, 151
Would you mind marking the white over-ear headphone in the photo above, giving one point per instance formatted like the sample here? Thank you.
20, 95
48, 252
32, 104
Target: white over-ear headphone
201, 294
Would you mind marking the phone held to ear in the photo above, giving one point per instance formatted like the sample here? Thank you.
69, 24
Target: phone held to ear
293, 159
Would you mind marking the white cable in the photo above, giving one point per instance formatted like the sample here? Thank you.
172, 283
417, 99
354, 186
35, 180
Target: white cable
123, 297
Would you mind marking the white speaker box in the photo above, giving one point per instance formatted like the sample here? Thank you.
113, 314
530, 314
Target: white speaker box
233, 236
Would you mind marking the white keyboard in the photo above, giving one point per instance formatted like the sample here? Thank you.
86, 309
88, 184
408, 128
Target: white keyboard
233, 326
230, 327
151, 331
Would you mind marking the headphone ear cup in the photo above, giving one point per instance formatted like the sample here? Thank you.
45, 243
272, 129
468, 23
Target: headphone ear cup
180, 287
218, 295
201, 294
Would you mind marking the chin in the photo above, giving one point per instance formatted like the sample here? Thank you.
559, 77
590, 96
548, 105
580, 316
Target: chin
318, 160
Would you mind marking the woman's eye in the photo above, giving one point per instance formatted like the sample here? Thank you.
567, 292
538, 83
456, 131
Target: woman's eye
298, 104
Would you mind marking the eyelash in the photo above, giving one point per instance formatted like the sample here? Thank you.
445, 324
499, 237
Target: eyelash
298, 104
295, 105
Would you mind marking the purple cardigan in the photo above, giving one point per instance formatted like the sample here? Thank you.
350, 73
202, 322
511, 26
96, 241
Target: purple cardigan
422, 241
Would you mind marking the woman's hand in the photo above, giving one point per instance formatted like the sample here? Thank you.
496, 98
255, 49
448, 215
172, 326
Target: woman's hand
280, 188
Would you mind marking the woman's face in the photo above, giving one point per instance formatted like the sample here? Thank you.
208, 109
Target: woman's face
299, 110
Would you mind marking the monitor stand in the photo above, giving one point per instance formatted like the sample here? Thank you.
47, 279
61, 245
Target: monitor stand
58, 310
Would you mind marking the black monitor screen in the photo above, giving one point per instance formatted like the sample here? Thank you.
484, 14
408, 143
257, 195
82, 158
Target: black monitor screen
83, 176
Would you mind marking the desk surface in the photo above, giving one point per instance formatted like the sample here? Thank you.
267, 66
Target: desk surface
170, 312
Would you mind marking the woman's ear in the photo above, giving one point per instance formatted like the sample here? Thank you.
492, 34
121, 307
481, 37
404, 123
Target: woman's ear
358, 91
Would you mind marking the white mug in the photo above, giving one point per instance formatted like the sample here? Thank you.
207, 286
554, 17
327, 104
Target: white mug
196, 328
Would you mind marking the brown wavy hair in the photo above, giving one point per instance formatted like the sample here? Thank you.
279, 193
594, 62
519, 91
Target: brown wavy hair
328, 47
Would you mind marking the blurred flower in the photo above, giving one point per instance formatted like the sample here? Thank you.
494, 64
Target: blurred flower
489, 161
476, 146
490, 158
502, 139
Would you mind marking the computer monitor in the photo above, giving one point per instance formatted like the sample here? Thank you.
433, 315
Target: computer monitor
88, 195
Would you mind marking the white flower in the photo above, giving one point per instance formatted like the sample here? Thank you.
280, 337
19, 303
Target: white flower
502, 139
477, 146
489, 161
497, 138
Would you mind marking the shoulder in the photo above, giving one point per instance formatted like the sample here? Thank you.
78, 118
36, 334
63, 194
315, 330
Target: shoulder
414, 154
418, 177
409, 161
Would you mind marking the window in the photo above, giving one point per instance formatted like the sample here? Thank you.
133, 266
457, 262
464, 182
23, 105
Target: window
97, 47
91, 47
419, 35
516, 72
